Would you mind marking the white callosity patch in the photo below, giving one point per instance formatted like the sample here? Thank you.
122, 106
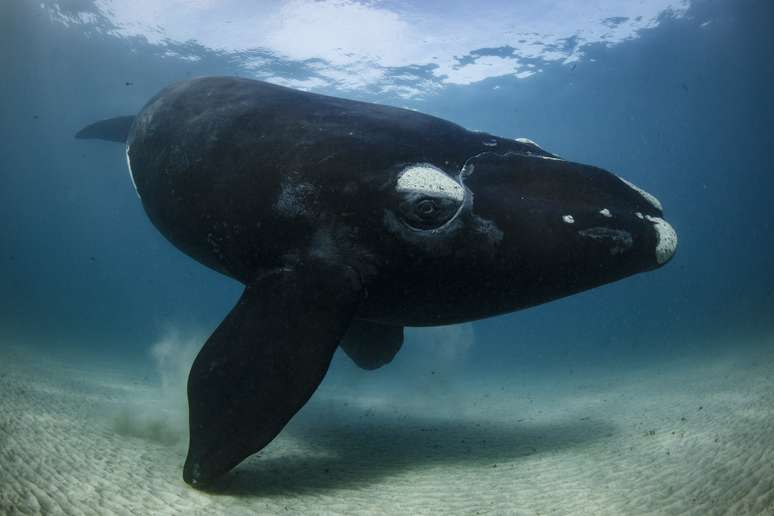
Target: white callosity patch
528, 142
639, 215
131, 176
568, 219
605, 213
648, 197
667, 239
425, 178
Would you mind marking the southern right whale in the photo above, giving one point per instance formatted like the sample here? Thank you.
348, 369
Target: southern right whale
347, 221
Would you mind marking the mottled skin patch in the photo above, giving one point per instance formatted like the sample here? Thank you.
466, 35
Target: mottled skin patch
294, 197
619, 241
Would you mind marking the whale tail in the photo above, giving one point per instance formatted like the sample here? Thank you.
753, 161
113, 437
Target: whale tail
112, 129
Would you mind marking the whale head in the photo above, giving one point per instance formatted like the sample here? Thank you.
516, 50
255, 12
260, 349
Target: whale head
509, 231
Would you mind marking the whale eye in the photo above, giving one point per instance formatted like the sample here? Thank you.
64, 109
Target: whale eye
426, 208
423, 212
428, 197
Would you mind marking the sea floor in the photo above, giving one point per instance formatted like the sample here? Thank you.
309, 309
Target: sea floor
691, 436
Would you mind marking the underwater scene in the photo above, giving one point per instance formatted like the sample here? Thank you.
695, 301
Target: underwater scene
386, 257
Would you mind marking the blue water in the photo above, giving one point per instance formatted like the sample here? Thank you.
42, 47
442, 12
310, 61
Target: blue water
684, 109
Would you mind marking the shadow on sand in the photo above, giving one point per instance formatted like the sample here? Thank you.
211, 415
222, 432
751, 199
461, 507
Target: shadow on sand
353, 449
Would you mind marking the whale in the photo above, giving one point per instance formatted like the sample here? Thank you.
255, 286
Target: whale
348, 221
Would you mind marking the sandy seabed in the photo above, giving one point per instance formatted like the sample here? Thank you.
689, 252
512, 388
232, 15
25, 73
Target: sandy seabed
692, 436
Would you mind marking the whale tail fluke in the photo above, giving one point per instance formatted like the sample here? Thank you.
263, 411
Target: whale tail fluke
112, 129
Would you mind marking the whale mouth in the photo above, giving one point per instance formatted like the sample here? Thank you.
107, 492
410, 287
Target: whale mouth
647, 234
618, 240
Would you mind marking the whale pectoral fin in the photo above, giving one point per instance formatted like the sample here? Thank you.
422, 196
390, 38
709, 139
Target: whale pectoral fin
113, 130
372, 345
263, 363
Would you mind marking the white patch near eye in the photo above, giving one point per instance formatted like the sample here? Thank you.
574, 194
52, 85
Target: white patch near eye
648, 197
131, 176
568, 219
667, 239
639, 215
605, 213
430, 180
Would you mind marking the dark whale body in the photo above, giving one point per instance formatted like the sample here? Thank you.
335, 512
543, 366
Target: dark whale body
347, 221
